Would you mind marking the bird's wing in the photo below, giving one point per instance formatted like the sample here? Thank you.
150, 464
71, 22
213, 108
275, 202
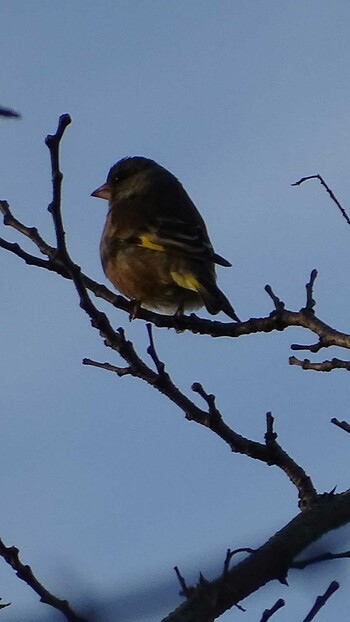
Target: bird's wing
176, 226
170, 233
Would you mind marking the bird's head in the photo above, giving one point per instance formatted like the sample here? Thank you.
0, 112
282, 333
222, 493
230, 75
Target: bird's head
124, 177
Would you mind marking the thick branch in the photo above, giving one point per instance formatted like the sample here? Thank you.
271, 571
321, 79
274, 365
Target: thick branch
270, 562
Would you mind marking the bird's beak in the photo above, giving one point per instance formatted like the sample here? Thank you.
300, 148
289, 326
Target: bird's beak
103, 192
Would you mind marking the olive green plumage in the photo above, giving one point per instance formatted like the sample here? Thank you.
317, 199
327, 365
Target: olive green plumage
155, 247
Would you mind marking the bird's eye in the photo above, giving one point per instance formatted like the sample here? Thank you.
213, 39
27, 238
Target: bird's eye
121, 175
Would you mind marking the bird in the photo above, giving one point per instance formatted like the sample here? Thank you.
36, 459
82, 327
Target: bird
155, 248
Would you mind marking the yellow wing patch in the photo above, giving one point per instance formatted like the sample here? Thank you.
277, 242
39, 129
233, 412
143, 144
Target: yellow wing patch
187, 281
146, 242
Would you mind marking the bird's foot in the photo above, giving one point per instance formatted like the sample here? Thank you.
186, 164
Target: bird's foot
136, 305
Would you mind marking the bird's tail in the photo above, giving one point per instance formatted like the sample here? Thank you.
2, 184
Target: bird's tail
215, 300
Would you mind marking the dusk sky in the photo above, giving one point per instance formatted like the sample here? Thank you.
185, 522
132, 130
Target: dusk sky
105, 486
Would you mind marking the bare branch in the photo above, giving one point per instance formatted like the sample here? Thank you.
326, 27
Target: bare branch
185, 590
31, 260
321, 601
120, 371
277, 456
230, 554
310, 302
322, 366
151, 350
270, 452
315, 347
29, 232
325, 557
328, 189
279, 305
271, 561
10, 114
209, 398
268, 613
344, 425
24, 572
321, 513
53, 143
279, 320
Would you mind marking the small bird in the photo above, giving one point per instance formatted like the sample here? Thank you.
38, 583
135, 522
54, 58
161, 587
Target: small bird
155, 247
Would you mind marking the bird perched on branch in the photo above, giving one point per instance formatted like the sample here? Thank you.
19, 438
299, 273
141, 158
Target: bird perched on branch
155, 248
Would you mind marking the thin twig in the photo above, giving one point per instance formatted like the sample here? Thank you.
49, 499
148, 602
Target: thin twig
25, 573
279, 304
314, 348
325, 557
186, 591
310, 302
321, 601
344, 425
151, 350
328, 189
53, 143
120, 371
230, 554
268, 613
270, 436
10, 114
15, 248
277, 456
209, 398
326, 366
29, 232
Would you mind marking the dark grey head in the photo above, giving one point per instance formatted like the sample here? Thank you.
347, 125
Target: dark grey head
125, 169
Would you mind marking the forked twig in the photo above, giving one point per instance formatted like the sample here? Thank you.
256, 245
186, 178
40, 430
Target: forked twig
328, 189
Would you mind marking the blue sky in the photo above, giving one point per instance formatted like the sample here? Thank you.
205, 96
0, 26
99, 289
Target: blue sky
104, 485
